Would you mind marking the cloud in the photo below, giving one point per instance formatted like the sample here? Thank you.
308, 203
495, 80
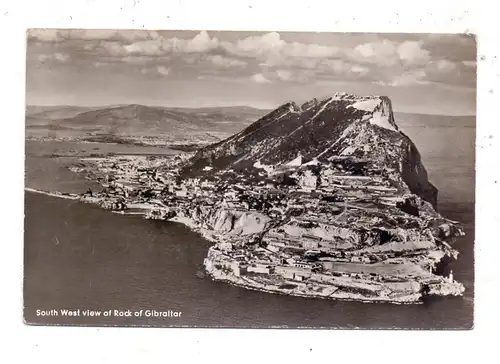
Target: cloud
43, 57
444, 65
61, 57
471, 64
459, 39
360, 69
285, 75
415, 77
381, 52
274, 51
412, 52
341, 67
336, 65
114, 48
260, 78
201, 43
58, 57
141, 60
163, 70
145, 47
255, 46
294, 76
153, 44
225, 62
136, 35
266, 57
54, 35
388, 53
43, 35
440, 71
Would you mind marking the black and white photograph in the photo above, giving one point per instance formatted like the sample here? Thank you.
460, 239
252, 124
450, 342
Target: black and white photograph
249, 179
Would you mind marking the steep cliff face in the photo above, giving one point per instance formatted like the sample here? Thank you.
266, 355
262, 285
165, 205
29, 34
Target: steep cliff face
238, 222
348, 126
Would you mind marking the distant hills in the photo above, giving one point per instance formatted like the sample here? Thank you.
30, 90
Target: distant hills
169, 125
138, 121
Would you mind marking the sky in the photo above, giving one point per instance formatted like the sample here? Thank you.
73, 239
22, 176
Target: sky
421, 73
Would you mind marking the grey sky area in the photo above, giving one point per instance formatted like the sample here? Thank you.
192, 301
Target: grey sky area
423, 73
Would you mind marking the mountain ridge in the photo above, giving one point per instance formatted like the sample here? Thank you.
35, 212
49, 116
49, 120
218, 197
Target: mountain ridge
343, 125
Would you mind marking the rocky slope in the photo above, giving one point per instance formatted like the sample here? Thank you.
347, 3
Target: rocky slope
340, 180
343, 125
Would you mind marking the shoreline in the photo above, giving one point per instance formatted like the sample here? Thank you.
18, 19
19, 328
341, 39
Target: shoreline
217, 275
66, 196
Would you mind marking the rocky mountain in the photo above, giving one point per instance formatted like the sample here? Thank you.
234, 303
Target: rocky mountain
55, 112
328, 199
357, 131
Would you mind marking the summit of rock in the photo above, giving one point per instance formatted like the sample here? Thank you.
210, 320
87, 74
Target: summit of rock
346, 126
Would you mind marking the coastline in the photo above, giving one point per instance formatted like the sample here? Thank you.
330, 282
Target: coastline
313, 289
67, 196
302, 291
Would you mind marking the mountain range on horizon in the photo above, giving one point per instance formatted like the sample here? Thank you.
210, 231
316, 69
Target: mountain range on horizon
138, 121
57, 110
191, 125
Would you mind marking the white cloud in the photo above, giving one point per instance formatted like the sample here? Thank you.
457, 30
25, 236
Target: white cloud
136, 35
294, 76
471, 64
275, 51
201, 43
412, 52
163, 70
415, 77
259, 78
381, 52
359, 69
43, 57
145, 47
284, 75
91, 34
394, 61
114, 48
52, 35
309, 63
444, 65
338, 66
388, 53
141, 60
255, 46
59, 57
153, 44
43, 35
225, 62
309, 50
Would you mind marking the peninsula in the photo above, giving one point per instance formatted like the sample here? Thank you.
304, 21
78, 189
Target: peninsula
327, 199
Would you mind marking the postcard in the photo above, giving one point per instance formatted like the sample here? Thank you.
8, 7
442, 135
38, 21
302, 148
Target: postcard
245, 179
